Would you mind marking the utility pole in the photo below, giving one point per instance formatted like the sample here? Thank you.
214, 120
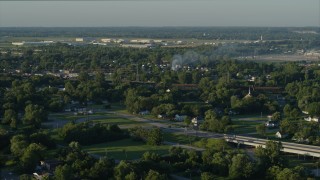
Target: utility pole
137, 75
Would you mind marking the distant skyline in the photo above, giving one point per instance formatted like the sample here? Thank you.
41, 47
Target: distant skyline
275, 13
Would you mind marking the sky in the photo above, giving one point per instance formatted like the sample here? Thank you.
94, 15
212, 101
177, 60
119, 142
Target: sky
275, 13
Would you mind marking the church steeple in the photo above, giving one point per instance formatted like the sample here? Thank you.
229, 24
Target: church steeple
249, 94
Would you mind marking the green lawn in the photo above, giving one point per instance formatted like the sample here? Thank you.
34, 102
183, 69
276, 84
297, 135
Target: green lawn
243, 124
68, 116
115, 120
122, 148
295, 160
179, 138
243, 127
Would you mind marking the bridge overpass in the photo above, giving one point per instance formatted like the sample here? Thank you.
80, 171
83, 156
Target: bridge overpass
295, 148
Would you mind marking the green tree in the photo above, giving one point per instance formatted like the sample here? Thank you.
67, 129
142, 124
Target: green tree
187, 121
220, 163
25, 177
207, 176
261, 129
63, 172
18, 145
270, 155
34, 115
132, 101
122, 169
276, 116
286, 110
272, 172
131, 176
31, 157
150, 156
241, 167
314, 109
102, 168
288, 174
155, 137
289, 127
9, 116
154, 175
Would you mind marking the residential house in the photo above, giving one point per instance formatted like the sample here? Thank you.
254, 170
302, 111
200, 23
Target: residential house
314, 119
281, 135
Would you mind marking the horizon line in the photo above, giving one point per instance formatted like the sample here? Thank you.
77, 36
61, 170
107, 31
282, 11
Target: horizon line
146, 26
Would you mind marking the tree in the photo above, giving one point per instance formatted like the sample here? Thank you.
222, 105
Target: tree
294, 114
289, 127
122, 169
155, 137
25, 177
286, 110
63, 172
103, 168
31, 157
154, 175
148, 156
132, 101
207, 176
131, 176
9, 116
270, 155
220, 163
272, 172
261, 129
287, 174
187, 121
276, 116
314, 109
241, 167
18, 145
34, 115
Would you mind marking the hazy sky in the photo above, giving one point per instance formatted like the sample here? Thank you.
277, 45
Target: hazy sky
160, 13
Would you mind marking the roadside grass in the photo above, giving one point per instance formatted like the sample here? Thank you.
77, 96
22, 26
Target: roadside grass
295, 160
115, 120
68, 116
250, 117
180, 138
244, 124
125, 149
118, 107
244, 127
54, 134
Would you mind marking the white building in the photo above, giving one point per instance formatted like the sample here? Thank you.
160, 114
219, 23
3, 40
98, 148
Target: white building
314, 119
79, 39
281, 135
18, 43
107, 40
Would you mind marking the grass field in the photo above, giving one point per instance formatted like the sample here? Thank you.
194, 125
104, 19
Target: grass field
124, 123
244, 124
125, 149
180, 138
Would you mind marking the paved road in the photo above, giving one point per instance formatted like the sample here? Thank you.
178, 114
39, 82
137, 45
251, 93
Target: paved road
287, 146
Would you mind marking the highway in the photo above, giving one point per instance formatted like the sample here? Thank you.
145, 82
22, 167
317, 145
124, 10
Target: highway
295, 148
288, 147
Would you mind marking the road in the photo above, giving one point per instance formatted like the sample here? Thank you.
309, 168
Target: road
287, 147
295, 148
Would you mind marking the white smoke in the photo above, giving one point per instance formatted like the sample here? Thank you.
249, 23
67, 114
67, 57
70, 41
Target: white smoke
180, 60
